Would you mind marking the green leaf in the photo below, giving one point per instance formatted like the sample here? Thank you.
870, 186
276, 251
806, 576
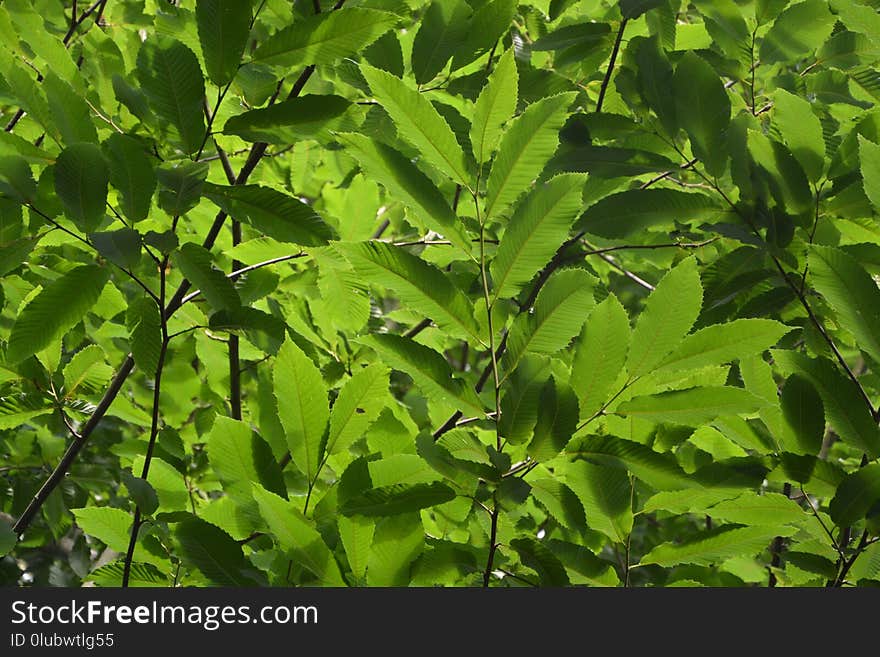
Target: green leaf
168, 483
141, 492
81, 179
358, 405
526, 147
356, 534
659, 470
301, 396
16, 179
442, 28
140, 575
632, 211
765, 509
429, 370
784, 175
851, 292
239, 457
110, 526
560, 502
324, 38
656, 81
804, 413
87, 369
844, 407
464, 446
15, 411
800, 130
145, 330
422, 286
572, 35
519, 403
408, 184
583, 566
397, 542
560, 311
488, 23
121, 247
857, 496
716, 545
172, 80
195, 264
250, 319
224, 27
723, 343
797, 31
557, 420
419, 123
397, 499
310, 116
693, 406
689, 500
600, 354
56, 309
495, 106
669, 314
609, 161
132, 173
180, 186
869, 158
214, 553
536, 230
634, 8
606, 493
296, 535
69, 111
271, 212
539, 558
8, 538
703, 110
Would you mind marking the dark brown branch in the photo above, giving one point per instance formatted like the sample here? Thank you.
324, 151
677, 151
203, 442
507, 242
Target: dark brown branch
154, 427
614, 52
73, 22
493, 545
74, 448
778, 545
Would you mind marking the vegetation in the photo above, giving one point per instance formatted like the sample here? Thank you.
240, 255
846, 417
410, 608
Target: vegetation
457, 292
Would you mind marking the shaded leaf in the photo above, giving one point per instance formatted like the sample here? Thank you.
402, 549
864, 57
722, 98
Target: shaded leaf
214, 553
224, 26
81, 179
856, 496
171, 78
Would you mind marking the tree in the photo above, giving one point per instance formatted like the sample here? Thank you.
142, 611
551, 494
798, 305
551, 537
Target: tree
461, 293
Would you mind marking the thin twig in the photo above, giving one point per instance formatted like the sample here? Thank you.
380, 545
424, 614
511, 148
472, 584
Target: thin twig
244, 270
154, 429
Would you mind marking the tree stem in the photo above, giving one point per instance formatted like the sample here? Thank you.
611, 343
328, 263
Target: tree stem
614, 52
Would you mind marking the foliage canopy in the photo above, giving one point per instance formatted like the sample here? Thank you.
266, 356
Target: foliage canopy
444, 292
